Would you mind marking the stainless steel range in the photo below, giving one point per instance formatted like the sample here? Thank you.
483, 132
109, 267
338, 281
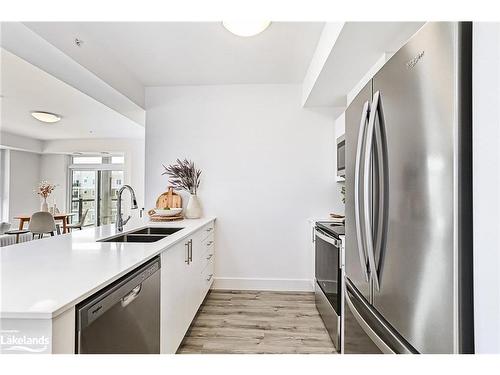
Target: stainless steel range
329, 277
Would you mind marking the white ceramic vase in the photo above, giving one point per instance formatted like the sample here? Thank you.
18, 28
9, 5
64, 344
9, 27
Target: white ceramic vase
45, 206
193, 209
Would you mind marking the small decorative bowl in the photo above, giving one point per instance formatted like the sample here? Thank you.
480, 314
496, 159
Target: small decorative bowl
166, 212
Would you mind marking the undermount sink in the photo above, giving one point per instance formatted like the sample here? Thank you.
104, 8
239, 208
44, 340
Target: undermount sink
145, 235
157, 230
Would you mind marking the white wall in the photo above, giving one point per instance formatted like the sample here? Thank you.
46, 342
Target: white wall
268, 165
24, 168
486, 185
54, 169
20, 142
24, 178
4, 185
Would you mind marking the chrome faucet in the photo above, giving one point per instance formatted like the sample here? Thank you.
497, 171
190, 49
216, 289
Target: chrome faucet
119, 216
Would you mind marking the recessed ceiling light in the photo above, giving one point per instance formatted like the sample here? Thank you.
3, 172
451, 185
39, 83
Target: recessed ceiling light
45, 116
246, 28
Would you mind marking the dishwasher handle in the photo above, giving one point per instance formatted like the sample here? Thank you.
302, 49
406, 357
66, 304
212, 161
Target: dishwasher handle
131, 296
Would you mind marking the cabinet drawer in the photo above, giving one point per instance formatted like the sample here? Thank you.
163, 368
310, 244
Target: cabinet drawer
208, 242
207, 230
208, 273
208, 257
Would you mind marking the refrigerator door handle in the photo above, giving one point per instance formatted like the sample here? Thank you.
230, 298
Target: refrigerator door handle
367, 223
383, 185
357, 191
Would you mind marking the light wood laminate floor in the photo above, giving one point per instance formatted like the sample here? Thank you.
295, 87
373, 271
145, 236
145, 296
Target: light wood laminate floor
248, 322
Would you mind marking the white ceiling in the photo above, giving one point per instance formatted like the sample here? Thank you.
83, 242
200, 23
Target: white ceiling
127, 56
185, 53
31, 47
26, 88
358, 47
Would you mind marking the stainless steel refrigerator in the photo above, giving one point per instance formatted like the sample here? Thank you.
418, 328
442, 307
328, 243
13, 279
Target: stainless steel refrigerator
408, 258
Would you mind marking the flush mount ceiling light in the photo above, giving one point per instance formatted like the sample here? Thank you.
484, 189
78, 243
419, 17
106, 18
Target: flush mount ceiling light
246, 28
45, 116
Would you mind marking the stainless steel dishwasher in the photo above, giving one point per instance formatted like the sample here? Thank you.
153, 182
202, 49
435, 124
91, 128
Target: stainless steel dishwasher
124, 318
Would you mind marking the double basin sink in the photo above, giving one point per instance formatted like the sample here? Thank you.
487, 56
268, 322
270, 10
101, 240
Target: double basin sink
144, 235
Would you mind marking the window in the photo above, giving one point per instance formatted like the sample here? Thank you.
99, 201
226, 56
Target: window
95, 181
83, 195
117, 160
87, 159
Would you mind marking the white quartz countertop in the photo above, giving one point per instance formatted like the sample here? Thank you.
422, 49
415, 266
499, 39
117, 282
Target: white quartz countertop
42, 278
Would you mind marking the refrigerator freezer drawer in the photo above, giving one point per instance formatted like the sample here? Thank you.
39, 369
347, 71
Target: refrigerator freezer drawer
379, 331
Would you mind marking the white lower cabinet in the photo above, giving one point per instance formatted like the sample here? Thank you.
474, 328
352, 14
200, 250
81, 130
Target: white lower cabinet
187, 271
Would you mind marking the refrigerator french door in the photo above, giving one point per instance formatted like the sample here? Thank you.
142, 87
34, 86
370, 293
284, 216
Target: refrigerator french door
356, 259
409, 200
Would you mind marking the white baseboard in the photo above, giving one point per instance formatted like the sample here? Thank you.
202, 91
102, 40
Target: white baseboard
281, 285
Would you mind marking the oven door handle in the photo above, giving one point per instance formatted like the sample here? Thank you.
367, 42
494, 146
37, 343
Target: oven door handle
333, 241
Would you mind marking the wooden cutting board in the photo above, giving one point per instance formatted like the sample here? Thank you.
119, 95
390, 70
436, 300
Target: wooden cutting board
169, 199
166, 218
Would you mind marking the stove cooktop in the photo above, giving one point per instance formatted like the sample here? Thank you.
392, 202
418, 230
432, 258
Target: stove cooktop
334, 228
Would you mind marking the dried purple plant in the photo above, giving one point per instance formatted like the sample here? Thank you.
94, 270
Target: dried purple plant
183, 175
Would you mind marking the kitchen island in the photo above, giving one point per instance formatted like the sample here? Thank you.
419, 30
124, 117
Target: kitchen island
42, 281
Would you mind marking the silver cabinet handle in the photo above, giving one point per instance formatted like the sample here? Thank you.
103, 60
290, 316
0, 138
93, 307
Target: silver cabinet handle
210, 243
187, 252
190, 250
210, 256
366, 189
357, 168
209, 229
210, 277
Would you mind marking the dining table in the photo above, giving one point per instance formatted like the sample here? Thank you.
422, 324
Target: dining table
64, 217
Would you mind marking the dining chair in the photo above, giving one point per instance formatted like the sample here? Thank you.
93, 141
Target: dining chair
42, 223
80, 223
4, 227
